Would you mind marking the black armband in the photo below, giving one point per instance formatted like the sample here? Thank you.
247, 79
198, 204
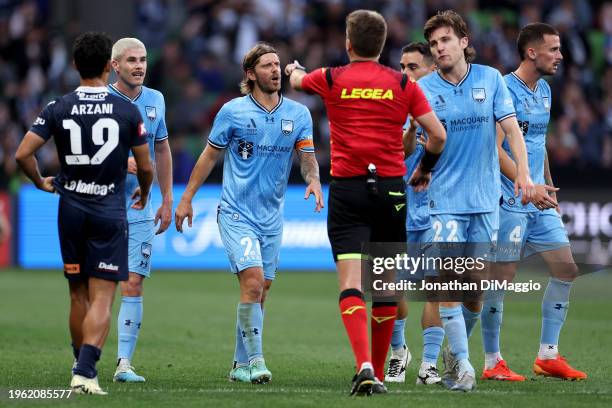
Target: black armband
429, 160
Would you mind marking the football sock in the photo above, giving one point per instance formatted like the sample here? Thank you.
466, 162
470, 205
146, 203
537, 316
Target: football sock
250, 319
465, 365
554, 311
355, 318
398, 339
75, 351
86, 365
383, 317
129, 321
470, 318
454, 327
492, 317
240, 355
491, 359
548, 351
432, 343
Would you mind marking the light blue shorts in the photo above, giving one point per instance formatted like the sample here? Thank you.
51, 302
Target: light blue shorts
524, 234
417, 248
140, 247
246, 247
463, 235
418, 236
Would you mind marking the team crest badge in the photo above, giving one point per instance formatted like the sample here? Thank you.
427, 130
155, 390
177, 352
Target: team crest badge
286, 126
546, 101
245, 149
479, 95
145, 249
151, 112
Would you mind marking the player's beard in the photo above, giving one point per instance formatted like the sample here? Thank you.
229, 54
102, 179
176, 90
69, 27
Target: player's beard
268, 88
542, 71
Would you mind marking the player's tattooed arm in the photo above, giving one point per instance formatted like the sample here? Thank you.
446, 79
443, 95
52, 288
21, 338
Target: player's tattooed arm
309, 168
310, 172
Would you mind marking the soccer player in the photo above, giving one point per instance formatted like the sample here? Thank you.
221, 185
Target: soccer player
416, 61
532, 226
367, 105
257, 133
129, 60
465, 189
93, 131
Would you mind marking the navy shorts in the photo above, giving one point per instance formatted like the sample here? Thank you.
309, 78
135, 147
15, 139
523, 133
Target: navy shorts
92, 246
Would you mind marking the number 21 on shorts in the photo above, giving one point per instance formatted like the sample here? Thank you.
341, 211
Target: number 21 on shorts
251, 250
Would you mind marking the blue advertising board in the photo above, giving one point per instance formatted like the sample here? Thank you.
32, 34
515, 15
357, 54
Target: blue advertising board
305, 244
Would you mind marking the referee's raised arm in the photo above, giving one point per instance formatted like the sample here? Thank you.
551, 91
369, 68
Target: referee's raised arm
296, 72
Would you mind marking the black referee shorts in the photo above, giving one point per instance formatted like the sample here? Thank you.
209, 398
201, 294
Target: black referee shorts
355, 216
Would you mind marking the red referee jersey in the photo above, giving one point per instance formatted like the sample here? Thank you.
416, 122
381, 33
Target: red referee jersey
367, 105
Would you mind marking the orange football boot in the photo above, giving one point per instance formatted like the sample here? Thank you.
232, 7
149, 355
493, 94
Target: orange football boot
557, 367
501, 372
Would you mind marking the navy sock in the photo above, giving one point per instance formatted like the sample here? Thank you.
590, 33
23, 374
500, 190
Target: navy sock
75, 351
86, 365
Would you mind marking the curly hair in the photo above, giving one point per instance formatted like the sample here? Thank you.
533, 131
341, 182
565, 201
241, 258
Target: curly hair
91, 53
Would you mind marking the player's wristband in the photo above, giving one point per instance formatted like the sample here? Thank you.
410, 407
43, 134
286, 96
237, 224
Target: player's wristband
429, 160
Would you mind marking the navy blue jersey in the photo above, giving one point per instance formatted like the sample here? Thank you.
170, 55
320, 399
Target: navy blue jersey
93, 131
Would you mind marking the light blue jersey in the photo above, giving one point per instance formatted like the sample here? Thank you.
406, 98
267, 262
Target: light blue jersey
465, 179
152, 108
417, 218
533, 114
259, 145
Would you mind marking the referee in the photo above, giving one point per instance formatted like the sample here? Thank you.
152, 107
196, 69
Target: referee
367, 104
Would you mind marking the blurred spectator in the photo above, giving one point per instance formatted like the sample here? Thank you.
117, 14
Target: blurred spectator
195, 49
5, 226
183, 159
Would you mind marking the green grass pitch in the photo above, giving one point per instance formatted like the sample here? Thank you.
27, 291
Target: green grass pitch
187, 342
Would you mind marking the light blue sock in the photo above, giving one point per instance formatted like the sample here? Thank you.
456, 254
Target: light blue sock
240, 355
491, 320
454, 327
250, 319
554, 310
470, 318
432, 342
129, 321
397, 339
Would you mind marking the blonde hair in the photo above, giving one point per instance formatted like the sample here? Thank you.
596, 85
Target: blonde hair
125, 44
